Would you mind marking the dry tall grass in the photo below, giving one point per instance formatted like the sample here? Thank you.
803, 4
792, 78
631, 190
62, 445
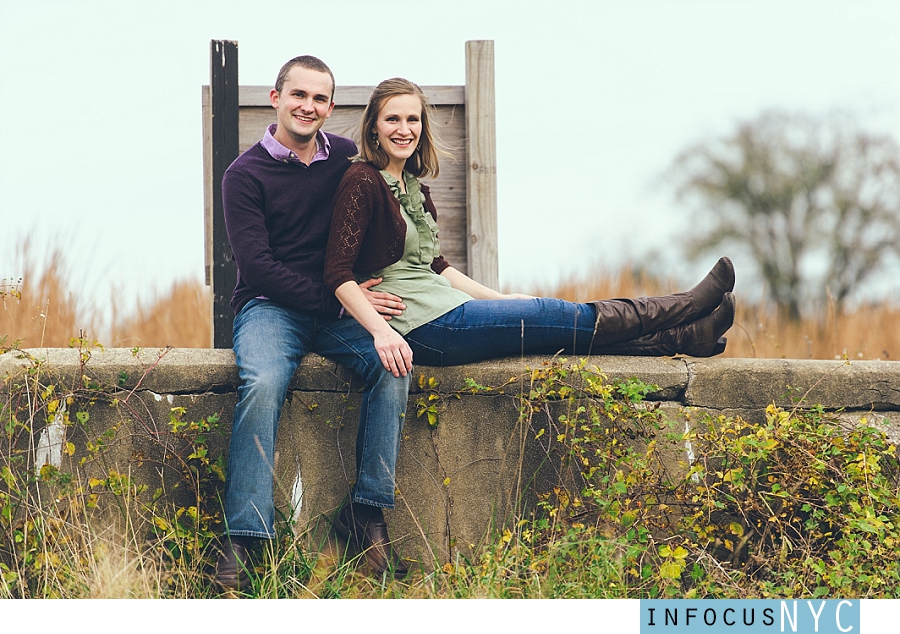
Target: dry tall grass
180, 318
43, 311
40, 309
49, 313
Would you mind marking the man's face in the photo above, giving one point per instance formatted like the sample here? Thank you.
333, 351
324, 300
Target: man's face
303, 105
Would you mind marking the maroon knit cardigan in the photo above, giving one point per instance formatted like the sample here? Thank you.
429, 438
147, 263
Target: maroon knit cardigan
368, 231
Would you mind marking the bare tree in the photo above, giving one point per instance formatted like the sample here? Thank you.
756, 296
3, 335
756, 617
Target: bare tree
795, 191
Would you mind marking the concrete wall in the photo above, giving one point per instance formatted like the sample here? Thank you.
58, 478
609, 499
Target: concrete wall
455, 480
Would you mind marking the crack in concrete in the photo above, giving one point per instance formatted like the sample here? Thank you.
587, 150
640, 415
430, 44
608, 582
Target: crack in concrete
214, 389
691, 373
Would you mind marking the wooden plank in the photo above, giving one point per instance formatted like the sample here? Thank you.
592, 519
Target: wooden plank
481, 159
206, 119
448, 191
357, 95
224, 149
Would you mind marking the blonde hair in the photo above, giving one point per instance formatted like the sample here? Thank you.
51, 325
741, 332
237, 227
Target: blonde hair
424, 161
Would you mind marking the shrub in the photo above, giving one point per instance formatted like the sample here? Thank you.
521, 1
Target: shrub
803, 505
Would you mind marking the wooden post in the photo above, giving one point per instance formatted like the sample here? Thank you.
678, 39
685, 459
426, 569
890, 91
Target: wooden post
223, 98
481, 159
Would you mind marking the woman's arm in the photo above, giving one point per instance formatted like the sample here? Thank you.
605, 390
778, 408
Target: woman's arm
464, 283
353, 206
395, 353
460, 281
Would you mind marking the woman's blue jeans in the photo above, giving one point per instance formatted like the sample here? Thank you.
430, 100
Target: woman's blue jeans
269, 343
483, 329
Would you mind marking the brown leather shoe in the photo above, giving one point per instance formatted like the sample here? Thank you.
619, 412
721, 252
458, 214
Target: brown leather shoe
233, 565
701, 338
371, 538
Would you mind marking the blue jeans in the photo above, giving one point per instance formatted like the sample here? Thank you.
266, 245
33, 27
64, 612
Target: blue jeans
483, 329
269, 343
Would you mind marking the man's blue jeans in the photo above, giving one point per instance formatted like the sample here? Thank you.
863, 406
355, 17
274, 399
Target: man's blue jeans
269, 343
483, 329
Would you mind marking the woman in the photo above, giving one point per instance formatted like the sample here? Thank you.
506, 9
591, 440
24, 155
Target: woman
385, 227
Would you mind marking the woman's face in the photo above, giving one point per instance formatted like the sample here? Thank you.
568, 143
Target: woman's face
398, 128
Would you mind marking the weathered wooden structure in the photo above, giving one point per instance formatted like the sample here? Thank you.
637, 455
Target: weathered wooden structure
235, 117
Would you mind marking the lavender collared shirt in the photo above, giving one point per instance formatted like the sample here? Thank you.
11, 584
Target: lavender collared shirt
280, 153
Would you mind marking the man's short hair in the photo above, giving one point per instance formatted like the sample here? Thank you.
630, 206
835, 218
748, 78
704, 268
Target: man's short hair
304, 61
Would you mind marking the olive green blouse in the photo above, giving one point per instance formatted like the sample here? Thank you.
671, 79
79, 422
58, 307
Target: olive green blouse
426, 294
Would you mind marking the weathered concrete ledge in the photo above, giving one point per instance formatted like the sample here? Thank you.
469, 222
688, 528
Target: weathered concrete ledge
454, 480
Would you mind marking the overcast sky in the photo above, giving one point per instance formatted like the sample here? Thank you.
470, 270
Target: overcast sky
100, 137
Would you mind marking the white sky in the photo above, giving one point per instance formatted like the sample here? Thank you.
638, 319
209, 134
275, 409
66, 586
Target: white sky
100, 142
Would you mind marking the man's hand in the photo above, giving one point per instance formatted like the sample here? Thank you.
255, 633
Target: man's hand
385, 304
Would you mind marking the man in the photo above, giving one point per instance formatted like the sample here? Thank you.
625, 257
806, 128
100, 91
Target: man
278, 205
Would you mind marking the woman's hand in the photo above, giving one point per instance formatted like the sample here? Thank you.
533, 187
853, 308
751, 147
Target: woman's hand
395, 353
518, 296
466, 284
392, 349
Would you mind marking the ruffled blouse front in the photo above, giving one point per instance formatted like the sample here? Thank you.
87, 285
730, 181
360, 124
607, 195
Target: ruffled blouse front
426, 294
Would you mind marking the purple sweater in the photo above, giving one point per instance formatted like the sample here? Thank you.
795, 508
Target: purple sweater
278, 215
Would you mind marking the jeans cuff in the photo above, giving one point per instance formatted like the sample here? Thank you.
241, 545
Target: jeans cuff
255, 534
381, 505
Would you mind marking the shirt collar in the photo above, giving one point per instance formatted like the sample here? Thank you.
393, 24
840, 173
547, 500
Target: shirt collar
280, 153
413, 187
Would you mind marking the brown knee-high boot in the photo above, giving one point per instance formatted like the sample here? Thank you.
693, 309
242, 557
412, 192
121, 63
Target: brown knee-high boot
701, 338
627, 319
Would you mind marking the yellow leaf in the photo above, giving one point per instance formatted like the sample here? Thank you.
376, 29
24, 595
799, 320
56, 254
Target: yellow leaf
53, 405
161, 523
447, 482
670, 570
70, 449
